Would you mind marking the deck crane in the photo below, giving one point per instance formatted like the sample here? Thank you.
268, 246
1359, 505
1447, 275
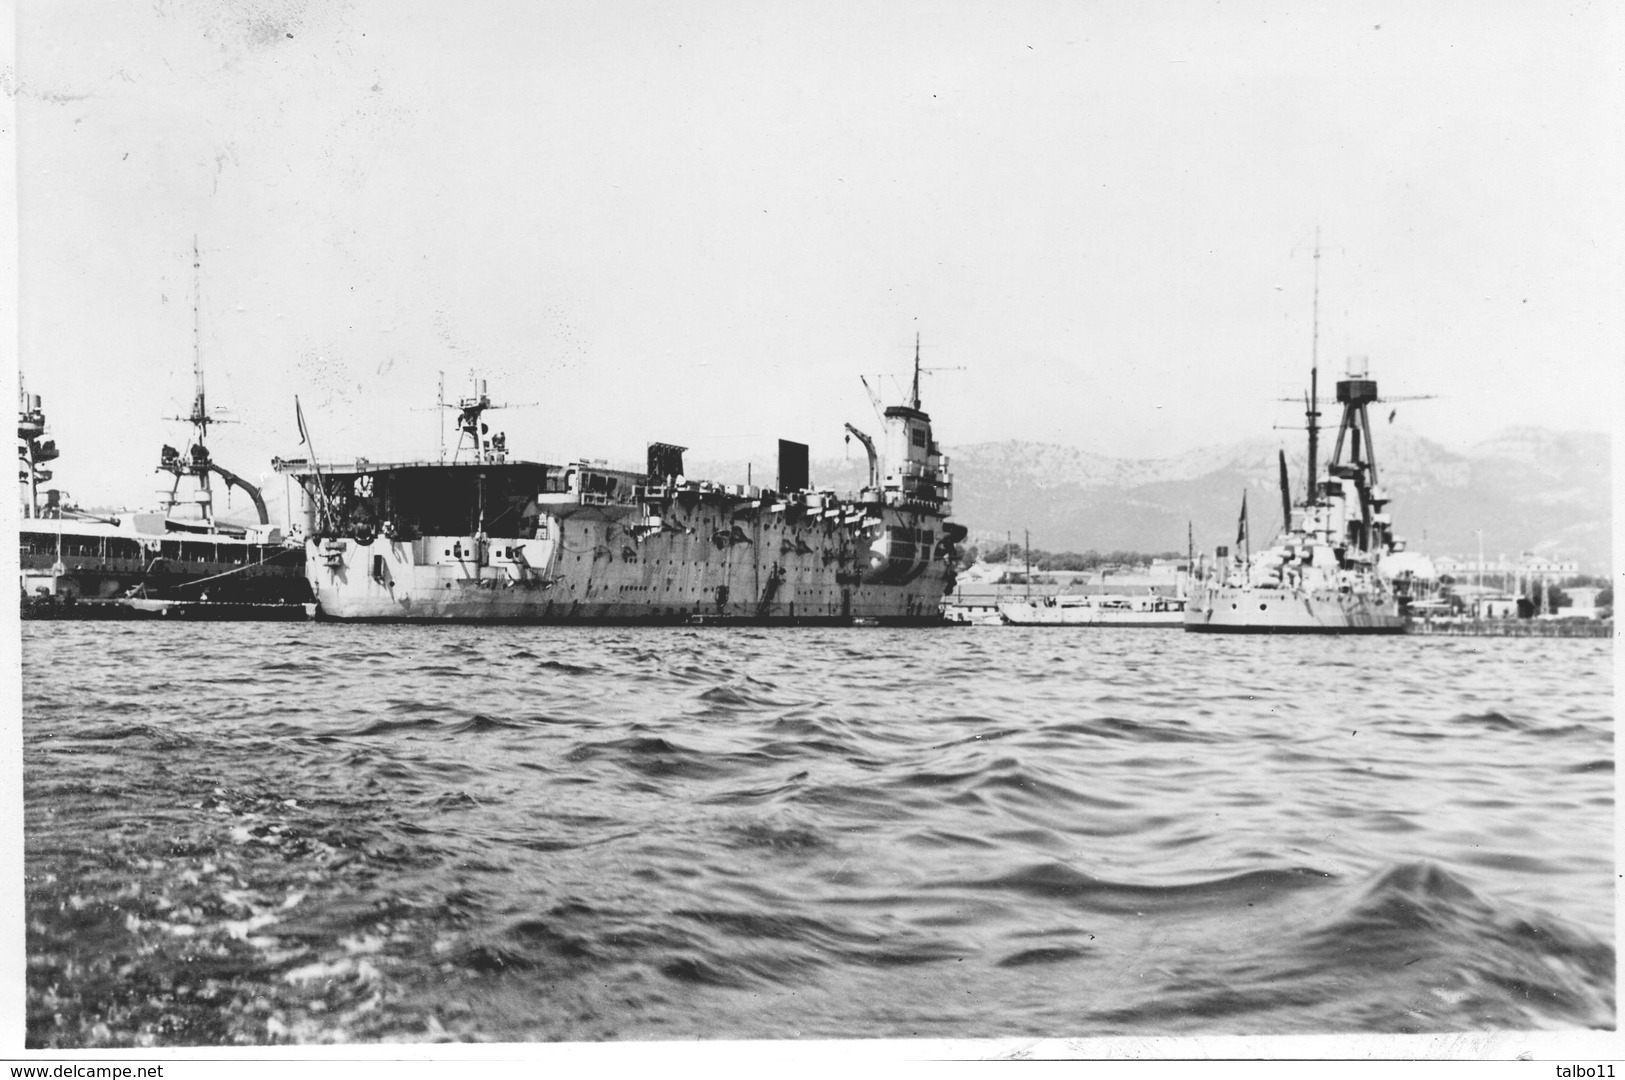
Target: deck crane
869, 448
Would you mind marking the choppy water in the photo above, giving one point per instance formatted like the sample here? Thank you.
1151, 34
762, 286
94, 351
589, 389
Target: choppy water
252, 833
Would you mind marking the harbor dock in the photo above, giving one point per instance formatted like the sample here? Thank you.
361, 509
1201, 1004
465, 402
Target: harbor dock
1568, 628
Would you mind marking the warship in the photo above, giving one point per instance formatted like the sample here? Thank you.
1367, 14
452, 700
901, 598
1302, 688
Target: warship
490, 538
178, 561
1325, 571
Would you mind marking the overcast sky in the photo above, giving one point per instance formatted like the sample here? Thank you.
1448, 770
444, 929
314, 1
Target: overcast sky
701, 223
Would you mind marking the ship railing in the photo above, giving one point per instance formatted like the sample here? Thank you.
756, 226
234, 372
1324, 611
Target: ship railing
915, 500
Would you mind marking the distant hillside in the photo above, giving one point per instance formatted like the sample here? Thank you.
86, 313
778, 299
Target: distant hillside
1528, 489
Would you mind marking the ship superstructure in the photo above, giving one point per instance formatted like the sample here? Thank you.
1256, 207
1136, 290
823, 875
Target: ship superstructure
188, 504
1324, 571
489, 538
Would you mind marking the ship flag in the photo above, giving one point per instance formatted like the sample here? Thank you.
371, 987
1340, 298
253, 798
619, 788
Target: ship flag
322, 501
1243, 541
1286, 495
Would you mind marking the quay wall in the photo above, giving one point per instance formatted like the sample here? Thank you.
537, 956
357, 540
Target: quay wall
1587, 628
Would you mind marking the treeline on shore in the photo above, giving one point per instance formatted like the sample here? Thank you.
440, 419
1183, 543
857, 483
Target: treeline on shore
1062, 560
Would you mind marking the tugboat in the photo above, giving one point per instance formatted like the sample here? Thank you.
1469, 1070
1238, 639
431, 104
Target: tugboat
1324, 572
485, 538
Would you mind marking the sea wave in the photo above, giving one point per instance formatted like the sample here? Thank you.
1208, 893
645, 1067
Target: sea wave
616, 834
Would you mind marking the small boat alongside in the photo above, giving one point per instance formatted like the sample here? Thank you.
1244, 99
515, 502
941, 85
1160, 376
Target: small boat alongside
971, 615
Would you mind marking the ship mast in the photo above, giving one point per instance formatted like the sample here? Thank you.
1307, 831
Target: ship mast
27, 438
1313, 404
34, 450
195, 461
200, 412
914, 395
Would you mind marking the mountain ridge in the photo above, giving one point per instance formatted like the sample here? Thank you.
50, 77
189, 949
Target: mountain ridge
1527, 488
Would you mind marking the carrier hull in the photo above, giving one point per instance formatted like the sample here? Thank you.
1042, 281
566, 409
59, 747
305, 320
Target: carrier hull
588, 566
491, 539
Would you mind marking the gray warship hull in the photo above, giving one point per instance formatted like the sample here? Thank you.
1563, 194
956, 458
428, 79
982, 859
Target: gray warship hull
1246, 610
710, 557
